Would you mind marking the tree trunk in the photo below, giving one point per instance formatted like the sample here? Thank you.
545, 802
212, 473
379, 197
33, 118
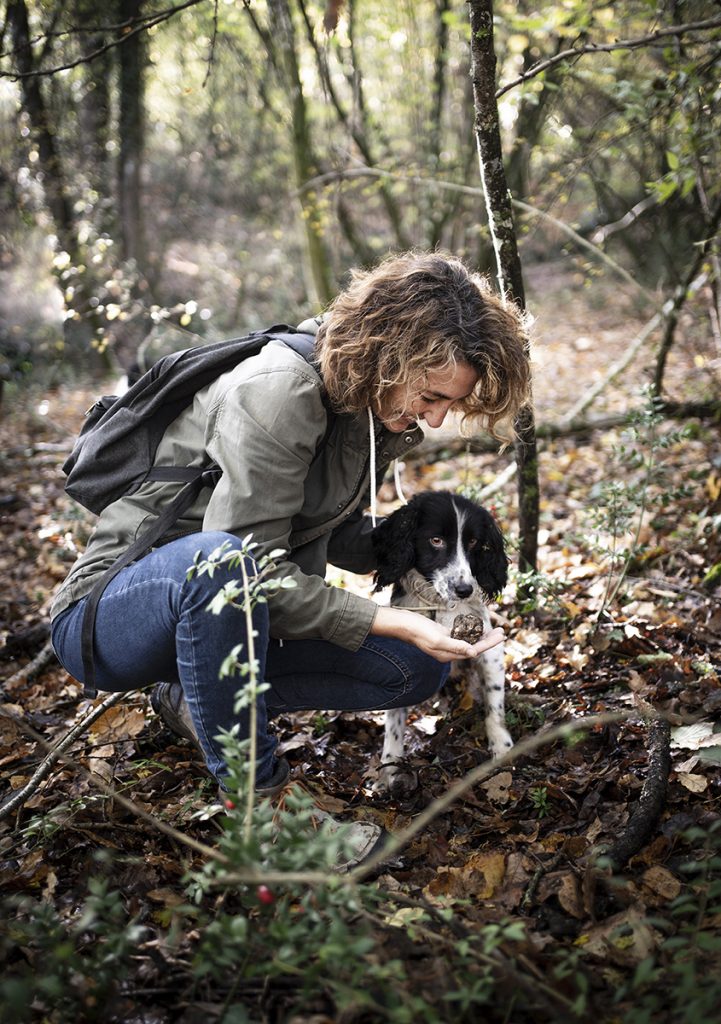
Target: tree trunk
79, 326
283, 33
359, 130
131, 132
508, 263
54, 180
94, 115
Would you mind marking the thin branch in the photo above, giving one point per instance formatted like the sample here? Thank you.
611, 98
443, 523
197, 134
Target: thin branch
88, 57
77, 30
480, 774
119, 798
211, 54
621, 44
47, 764
32, 669
712, 228
600, 235
470, 190
575, 428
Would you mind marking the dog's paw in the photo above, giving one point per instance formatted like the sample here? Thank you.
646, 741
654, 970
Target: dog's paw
499, 738
397, 781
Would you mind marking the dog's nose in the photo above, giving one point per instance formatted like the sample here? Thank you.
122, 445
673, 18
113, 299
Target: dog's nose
463, 589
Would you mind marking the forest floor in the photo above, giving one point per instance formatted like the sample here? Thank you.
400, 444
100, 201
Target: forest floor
517, 849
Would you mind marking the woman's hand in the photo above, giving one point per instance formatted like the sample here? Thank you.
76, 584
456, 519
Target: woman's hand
429, 636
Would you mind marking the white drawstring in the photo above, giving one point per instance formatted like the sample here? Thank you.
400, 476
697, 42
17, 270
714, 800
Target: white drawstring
372, 429
397, 467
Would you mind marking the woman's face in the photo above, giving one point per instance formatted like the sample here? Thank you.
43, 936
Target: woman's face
403, 406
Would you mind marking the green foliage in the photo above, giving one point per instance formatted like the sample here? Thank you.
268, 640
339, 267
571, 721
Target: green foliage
681, 982
620, 504
537, 590
539, 801
69, 969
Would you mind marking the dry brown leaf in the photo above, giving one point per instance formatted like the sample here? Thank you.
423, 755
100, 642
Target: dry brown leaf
659, 885
479, 877
119, 722
694, 783
569, 895
168, 897
626, 939
498, 788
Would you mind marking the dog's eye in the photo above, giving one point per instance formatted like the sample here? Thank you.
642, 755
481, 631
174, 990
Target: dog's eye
472, 543
437, 542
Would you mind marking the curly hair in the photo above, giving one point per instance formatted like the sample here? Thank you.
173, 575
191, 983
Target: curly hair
418, 312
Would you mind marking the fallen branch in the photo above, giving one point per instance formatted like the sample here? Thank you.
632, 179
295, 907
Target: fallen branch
428, 450
652, 799
32, 669
48, 763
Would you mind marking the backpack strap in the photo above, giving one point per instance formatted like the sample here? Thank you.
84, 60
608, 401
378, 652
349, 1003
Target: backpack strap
182, 501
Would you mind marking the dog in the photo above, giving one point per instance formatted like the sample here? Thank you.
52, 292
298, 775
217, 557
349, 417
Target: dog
444, 556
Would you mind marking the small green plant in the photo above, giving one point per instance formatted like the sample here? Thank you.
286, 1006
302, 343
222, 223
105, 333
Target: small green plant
620, 504
70, 968
538, 590
539, 801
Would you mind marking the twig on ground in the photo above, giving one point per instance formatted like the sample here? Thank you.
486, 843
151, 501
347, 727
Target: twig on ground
652, 799
127, 804
32, 669
50, 760
541, 870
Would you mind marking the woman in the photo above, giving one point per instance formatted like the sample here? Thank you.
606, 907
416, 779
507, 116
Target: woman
403, 345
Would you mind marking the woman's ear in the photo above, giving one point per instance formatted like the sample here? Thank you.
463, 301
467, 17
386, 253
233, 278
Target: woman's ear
490, 563
393, 546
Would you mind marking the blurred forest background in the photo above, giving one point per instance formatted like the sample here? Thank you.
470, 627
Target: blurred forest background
220, 166
174, 173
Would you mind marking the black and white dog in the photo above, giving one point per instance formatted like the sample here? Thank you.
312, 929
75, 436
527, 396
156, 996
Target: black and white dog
444, 555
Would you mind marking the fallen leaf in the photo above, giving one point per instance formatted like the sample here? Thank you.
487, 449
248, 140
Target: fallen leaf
659, 886
694, 783
569, 895
626, 939
168, 897
479, 877
405, 916
691, 737
498, 788
119, 722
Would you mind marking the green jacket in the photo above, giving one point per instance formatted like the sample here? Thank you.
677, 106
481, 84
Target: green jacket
284, 481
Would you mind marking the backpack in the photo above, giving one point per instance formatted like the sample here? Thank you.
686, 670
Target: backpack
115, 449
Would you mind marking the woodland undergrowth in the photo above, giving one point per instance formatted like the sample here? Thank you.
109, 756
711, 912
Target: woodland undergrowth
130, 894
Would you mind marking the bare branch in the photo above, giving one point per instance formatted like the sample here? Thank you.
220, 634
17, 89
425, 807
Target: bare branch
471, 190
621, 44
50, 760
142, 26
601, 234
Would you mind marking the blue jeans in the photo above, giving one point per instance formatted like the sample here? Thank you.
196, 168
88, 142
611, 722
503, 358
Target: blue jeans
152, 623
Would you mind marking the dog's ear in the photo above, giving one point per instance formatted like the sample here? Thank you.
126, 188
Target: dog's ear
393, 546
490, 564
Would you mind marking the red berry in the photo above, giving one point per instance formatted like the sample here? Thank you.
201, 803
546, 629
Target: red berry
230, 804
264, 894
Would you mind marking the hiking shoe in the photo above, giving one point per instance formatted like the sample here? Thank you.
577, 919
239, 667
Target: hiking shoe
168, 702
361, 839
364, 840
275, 784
